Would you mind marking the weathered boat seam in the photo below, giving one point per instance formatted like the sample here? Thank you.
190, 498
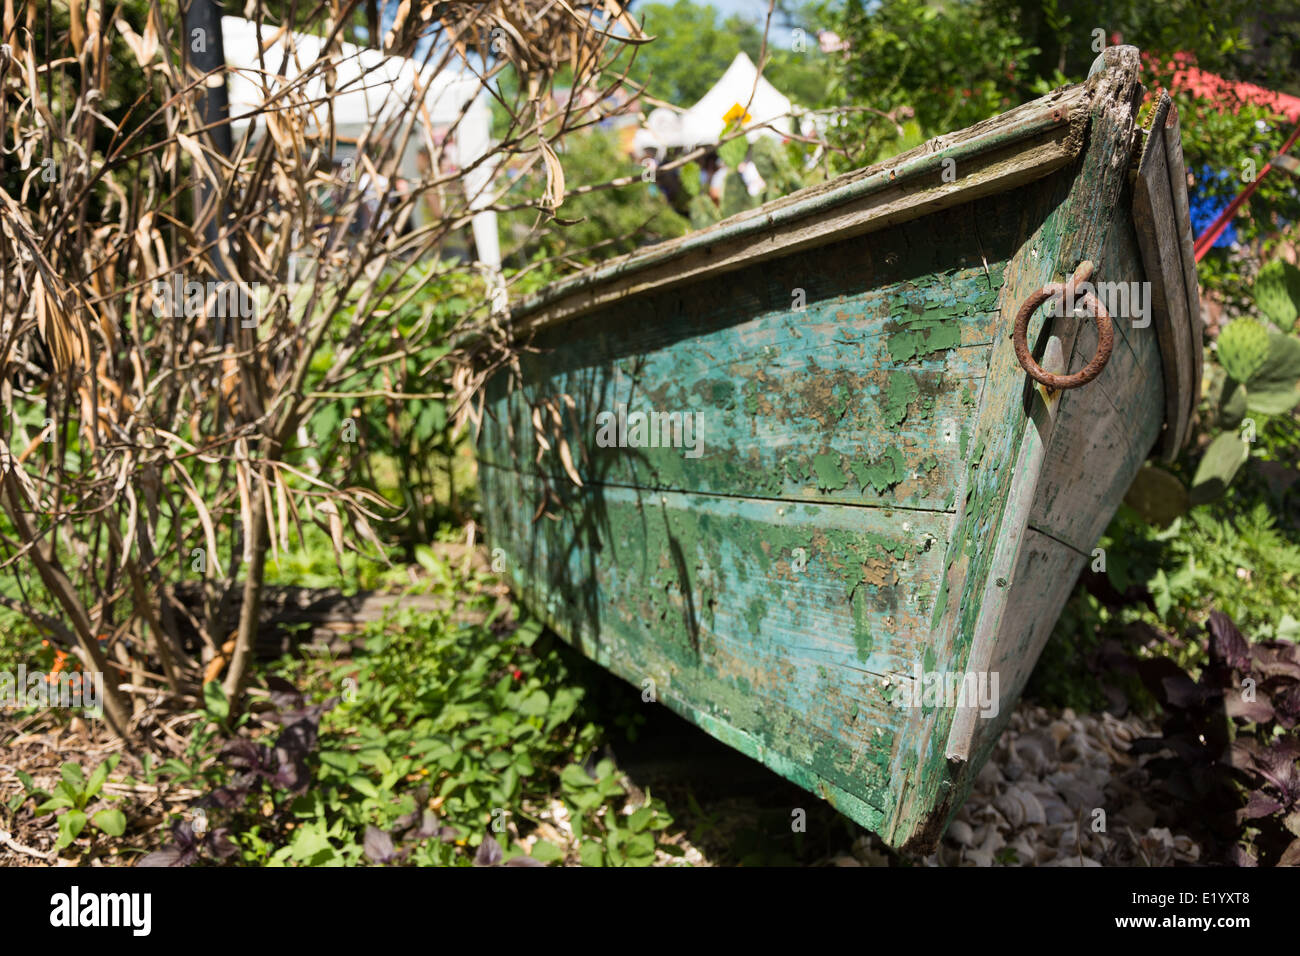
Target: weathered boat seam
653, 490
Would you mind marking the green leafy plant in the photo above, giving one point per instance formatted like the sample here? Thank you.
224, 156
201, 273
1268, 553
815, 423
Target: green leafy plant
1243, 347
1277, 292
442, 742
1218, 466
1263, 369
1256, 377
71, 799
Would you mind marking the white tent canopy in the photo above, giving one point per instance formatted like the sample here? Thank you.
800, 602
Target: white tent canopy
704, 122
375, 89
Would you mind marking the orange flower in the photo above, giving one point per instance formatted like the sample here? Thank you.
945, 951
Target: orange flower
60, 658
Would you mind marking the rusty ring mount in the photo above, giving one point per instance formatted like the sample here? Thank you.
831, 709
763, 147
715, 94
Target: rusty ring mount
1105, 332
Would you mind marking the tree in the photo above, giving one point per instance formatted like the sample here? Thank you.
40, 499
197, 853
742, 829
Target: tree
1247, 39
693, 47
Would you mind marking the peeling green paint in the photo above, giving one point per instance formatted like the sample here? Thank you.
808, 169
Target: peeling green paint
861, 626
830, 477
901, 391
881, 474
922, 336
684, 569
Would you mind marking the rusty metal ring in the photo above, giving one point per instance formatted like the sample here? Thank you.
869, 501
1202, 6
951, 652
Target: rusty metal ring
1105, 333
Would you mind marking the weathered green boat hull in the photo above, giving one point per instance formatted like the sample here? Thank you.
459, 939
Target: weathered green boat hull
880, 490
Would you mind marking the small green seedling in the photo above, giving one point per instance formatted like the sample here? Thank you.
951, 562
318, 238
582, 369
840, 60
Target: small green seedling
72, 795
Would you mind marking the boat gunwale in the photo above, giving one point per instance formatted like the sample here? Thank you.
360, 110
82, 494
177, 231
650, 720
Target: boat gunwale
1061, 115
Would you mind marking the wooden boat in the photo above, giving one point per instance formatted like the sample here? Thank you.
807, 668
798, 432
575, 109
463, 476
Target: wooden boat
815, 477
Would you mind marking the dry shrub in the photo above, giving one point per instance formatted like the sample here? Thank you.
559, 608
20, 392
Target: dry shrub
146, 441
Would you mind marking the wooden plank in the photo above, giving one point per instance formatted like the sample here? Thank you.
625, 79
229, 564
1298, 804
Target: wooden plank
1175, 304
856, 396
711, 599
1183, 225
990, 158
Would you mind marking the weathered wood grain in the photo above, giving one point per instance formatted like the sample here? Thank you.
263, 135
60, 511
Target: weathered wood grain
1154, 219
1195, 329
788, 623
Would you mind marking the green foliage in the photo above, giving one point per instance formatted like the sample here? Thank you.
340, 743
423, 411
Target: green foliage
1243, 346
1250, 372
1249, 563
693, 47
598, 224
457, 715
72, 799
1237, 561
1277, 293
1272, 387
948, 66
1216, 32
1219, 465
22, 643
